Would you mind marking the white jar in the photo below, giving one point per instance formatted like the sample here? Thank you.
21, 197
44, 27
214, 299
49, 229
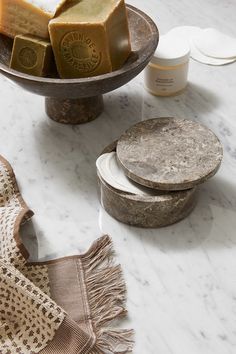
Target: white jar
167, 72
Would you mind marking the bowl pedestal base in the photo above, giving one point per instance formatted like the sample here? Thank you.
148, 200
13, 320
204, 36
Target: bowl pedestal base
74, 111
66, 100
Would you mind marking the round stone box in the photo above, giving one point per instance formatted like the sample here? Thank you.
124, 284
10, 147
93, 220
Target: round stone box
167, 158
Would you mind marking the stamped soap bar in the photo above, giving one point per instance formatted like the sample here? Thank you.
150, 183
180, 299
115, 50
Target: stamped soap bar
27, 16
90, 38
32, 55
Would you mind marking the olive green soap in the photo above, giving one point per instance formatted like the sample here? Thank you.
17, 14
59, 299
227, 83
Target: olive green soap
32, 55
90, 38
28, 16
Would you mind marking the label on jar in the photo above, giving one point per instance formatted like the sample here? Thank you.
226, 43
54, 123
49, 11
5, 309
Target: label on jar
166, 81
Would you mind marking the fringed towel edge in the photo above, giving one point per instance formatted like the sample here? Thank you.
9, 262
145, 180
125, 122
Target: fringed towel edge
106, 291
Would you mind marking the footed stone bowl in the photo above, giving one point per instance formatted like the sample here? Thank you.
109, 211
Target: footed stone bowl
75, 101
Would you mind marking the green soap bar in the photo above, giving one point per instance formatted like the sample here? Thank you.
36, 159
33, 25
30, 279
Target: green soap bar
90, 37
32, 55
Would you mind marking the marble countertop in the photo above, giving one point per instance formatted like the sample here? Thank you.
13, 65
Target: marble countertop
181, 279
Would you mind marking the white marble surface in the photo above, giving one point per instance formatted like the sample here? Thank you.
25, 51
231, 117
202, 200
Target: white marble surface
181, 279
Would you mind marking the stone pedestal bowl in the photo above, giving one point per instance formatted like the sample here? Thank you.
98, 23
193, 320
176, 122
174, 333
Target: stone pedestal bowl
75, 101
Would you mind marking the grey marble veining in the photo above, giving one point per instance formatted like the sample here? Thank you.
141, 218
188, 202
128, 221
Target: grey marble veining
181, 279
169, 153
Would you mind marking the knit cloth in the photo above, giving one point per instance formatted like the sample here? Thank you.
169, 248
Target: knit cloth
61, 306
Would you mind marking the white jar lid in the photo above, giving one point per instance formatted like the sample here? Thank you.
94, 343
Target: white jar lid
171, 51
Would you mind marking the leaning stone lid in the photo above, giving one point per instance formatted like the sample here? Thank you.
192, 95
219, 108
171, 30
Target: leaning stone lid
169, 153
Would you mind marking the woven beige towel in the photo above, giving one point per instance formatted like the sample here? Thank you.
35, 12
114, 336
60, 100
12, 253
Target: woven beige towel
61, 306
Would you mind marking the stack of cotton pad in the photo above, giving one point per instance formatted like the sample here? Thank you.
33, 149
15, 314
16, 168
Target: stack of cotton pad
111, 171
208, 46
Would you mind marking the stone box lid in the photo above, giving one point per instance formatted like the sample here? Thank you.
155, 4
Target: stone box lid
169, 153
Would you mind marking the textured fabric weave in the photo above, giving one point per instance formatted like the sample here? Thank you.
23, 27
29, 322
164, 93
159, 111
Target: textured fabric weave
62, 306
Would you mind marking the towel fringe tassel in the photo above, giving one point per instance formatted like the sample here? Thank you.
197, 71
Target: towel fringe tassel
106, 297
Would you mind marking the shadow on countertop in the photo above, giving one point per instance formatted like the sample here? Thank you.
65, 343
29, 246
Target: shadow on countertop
70, 152
194, 103
211, 225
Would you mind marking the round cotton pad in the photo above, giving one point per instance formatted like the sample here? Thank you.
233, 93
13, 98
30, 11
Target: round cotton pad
190, 33
113, 174
215, 44
186, 32
204, 59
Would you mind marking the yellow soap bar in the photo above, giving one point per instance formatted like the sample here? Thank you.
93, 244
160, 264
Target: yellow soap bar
32, 55
90, 37
28, 16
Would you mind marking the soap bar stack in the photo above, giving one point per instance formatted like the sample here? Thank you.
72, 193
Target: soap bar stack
87, 37
90, 37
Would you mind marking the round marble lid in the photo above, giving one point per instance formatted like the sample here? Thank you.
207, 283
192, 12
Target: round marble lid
169, 153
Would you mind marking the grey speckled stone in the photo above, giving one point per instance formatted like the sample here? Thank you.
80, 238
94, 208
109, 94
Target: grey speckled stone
163, 209
169, 153
148, 212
